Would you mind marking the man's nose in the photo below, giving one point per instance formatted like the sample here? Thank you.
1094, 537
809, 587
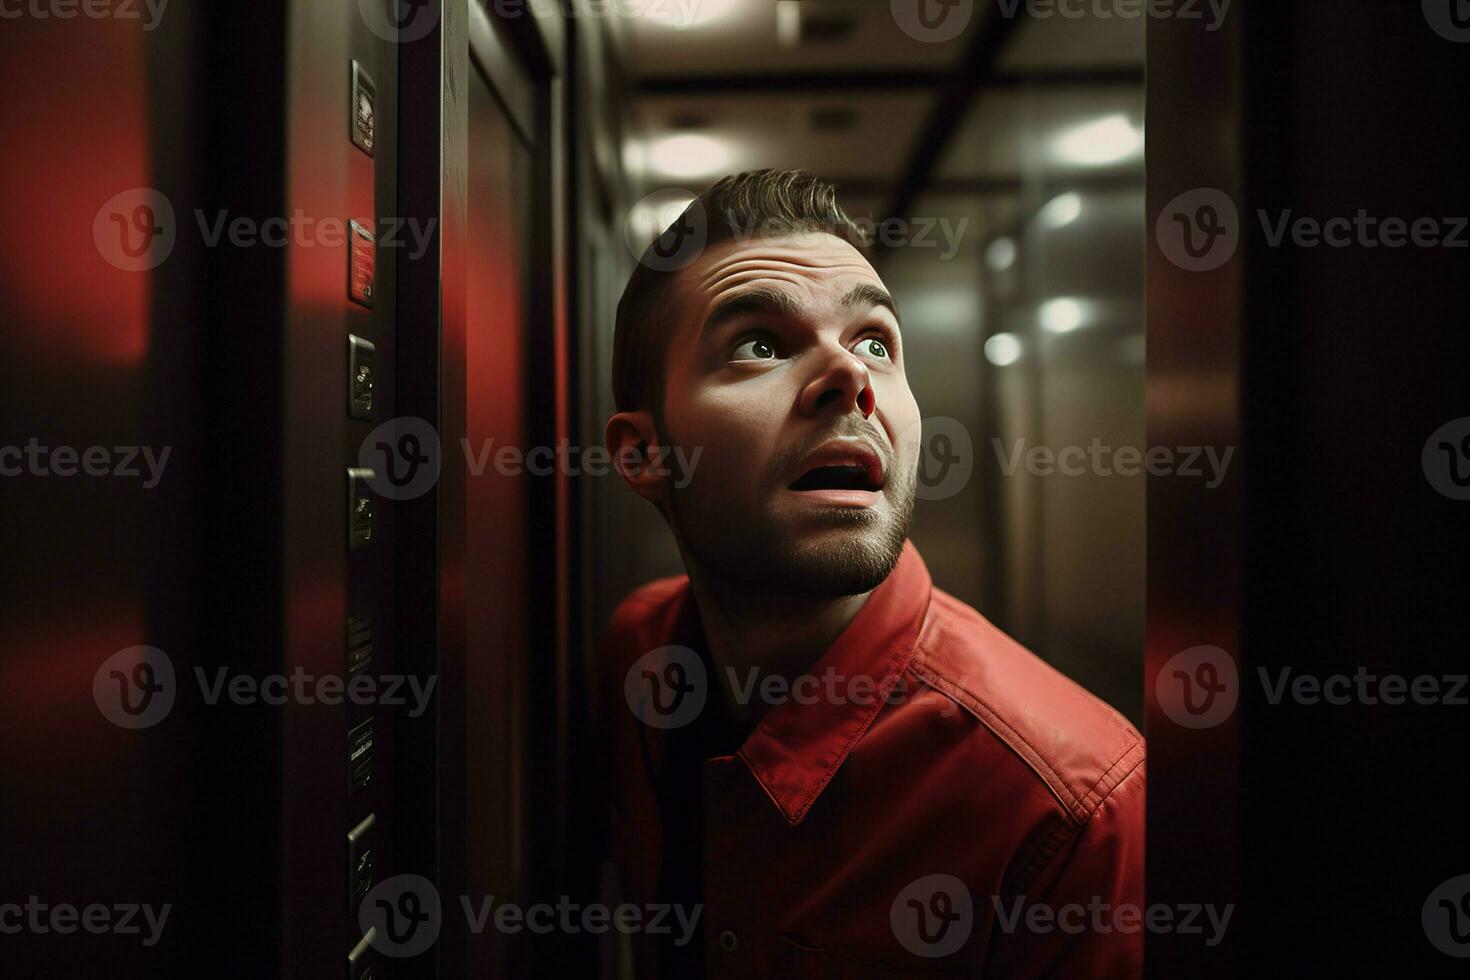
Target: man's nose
841, 384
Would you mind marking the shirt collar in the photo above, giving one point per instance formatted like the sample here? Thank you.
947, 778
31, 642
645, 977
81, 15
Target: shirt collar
801, 742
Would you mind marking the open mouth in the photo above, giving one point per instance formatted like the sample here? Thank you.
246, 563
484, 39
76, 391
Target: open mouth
842, 476
844, 472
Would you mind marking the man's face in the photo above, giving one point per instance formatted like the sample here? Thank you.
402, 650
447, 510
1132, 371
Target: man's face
785, 367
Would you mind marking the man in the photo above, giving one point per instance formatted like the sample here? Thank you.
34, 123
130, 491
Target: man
825, 765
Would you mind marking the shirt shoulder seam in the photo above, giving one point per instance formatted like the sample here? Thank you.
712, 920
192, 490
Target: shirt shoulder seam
1079, 808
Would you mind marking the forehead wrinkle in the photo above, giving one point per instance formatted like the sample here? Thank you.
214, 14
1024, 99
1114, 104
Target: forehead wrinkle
799, 300
772, 264
834, 254
803, 282
788, 302
725, 305
797, 270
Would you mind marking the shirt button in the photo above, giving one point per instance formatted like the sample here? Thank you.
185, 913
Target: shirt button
727, 941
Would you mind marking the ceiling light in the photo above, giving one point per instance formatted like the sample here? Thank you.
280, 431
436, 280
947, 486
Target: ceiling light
1102, 141
1060, 315
690, 155
1000, 254
1061, 210
1003, 349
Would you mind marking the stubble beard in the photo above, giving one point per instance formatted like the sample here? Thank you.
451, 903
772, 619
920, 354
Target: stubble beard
854, 555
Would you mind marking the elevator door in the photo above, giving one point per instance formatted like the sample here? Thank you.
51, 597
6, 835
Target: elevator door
497, 536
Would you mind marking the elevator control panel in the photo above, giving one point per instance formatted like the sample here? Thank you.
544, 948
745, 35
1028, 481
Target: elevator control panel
360, 870
367, 566
359, 643
362, 261
364, 121
360, 960
361, 377
359, 508
360, 756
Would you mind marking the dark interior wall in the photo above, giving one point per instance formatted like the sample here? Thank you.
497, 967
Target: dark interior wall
1332, 552
1364, 351
231, 357
102, 349
132, 342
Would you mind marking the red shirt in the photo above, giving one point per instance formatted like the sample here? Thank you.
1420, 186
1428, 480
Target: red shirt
855, 834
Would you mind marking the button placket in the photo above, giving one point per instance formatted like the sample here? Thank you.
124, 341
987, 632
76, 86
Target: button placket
727, 868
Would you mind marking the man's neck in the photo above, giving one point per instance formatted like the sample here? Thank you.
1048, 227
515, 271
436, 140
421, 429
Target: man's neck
752, 636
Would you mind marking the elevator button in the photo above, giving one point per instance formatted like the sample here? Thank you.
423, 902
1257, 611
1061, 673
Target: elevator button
360, 863
359, 509
361, 377
360, 962
359, 642
364, 110
362, 251
360, 756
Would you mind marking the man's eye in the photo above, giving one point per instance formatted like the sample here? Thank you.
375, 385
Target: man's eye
753, 350
874, 347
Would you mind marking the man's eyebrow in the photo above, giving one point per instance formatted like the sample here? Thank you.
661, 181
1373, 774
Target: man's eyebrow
771, 301
760, 299
867, 294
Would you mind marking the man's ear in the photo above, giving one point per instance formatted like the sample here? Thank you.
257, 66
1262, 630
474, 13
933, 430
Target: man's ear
631, 442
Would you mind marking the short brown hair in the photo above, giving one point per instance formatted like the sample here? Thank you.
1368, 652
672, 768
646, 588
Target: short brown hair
751, 204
